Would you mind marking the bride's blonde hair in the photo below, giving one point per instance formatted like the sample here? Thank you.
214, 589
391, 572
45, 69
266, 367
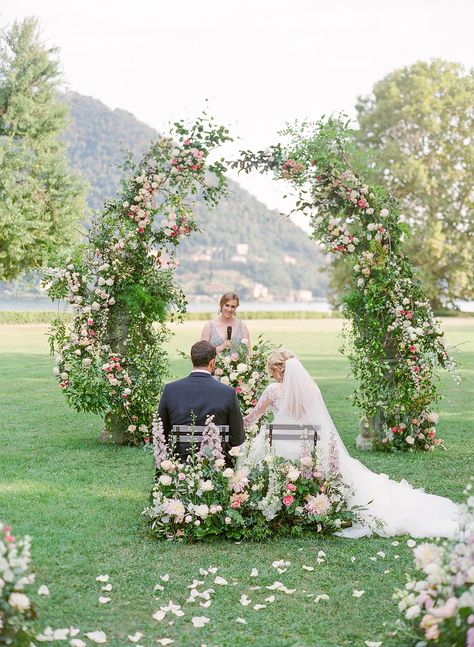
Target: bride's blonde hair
277, 359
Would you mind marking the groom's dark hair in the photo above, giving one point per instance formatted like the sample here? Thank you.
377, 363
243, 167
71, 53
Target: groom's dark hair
202, 352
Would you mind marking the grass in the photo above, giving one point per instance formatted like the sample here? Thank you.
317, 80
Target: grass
81, 502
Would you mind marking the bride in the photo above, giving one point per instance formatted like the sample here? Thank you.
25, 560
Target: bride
295, 399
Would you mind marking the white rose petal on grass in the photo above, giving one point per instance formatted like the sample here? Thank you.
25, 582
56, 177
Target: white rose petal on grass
411, 543
165, 641
104, 600
396, 557
322, 596
73, 631
386, 571
321, 553
373, 559
254, 572
98, 637
102, 578
135, 638
205, 604
381, 554
220, 580
202, 571
159, 615
308, 568
165, 578
77, 642
271, 598
241, 621
244, 600
258, 607
158, 587
371, 643
107, 587
357, 594
212, 569
199, 621
395, 543
353, 559
60, 634
43, 590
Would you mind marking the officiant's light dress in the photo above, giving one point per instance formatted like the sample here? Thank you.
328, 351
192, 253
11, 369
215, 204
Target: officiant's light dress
399, 506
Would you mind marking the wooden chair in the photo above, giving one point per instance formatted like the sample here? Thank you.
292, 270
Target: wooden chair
192, 435
293, 432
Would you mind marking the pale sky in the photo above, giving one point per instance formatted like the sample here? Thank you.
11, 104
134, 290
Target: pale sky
260, 63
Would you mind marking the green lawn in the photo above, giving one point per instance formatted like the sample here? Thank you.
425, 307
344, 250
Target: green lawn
81, 502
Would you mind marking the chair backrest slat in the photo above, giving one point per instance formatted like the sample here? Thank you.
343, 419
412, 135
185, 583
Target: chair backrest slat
292, 432
192, 434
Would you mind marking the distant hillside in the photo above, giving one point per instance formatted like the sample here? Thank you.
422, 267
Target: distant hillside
243, 245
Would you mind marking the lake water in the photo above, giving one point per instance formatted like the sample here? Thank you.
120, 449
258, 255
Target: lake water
43, 304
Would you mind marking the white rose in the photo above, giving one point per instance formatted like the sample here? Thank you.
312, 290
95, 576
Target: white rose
293, 474
228, 473
19, 601
241, 368
207, 486
56, 371
167, 465
384, 213
220, 462
225, 380
165, 479
228, 520
413, 612
202, 510
410, 440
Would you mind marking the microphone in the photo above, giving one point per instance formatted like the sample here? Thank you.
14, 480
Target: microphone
229, 332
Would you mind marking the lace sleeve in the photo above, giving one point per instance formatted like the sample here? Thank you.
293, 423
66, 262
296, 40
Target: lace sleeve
264, 402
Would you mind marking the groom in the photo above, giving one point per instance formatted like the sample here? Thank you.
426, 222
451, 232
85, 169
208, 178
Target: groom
197, 396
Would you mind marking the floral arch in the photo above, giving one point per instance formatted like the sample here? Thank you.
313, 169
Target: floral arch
121, 288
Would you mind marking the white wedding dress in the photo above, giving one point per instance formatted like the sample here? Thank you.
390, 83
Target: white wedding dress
401, 508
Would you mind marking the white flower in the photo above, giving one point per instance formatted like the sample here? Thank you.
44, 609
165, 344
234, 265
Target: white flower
410, 440
293, 474
228, 473
228, 521
202, 510
225, 380
167, 465
175, 508
165, 479
199, 621
432, 417
241, 368
413, 612
384, 213
220, 462
206, 486
425, 554
98, 637
19, 601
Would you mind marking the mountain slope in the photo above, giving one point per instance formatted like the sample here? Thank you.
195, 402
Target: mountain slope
243, 245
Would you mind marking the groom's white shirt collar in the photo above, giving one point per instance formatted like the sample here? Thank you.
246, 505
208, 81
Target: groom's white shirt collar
200, 370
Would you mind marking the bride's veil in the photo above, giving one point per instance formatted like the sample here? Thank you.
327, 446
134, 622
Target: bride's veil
303, 403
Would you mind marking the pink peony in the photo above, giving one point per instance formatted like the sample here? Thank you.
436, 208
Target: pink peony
287, 500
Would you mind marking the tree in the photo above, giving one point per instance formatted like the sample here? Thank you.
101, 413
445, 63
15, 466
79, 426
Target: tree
40, 201
419, 123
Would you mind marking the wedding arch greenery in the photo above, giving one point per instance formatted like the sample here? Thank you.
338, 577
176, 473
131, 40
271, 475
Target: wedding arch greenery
392, 341
120, 284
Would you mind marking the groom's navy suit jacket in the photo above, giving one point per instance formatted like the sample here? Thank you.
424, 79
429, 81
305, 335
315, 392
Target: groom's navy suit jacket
190, 400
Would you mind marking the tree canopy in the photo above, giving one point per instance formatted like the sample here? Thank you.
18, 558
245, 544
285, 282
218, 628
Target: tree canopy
41, 202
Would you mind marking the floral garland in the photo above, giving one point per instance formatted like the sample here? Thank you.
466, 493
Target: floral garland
438, 602
110, 359
16, 609
202, 499
393, 343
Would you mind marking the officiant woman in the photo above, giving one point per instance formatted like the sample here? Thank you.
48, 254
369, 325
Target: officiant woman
226, 332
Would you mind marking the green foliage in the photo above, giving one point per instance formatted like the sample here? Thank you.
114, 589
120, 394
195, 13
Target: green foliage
41, 203
418, 125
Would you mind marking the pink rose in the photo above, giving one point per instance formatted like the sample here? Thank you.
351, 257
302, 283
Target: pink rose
291, 487
181, 476
362, 203
287, 500
238, 389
